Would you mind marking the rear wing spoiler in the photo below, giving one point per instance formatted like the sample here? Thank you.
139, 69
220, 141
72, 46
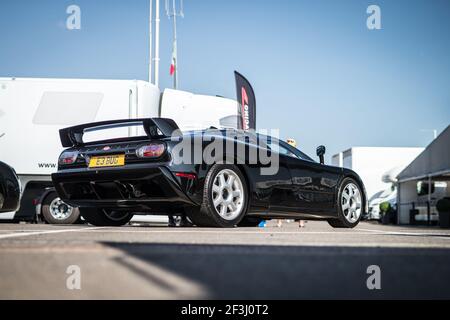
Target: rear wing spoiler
153, 127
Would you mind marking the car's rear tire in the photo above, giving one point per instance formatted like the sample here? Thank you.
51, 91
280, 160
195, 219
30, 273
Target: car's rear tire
225, 198
350, 205
105, 218
55, 211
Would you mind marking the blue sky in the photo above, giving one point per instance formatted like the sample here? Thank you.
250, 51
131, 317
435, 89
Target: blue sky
319, 74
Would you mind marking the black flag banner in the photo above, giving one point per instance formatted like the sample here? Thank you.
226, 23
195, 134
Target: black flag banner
247, 102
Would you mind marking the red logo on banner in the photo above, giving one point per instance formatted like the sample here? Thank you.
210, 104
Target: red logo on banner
245, 113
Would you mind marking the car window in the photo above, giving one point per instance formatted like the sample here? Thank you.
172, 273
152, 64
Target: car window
293, 152
278, 148
282, 147
302, 155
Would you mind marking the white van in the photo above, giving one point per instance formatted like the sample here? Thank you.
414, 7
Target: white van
388, 195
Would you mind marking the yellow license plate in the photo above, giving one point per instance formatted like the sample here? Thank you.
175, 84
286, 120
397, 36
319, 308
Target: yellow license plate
107, 161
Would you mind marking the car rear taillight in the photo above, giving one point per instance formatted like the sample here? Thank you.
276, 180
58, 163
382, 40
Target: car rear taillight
154, 150
68, 157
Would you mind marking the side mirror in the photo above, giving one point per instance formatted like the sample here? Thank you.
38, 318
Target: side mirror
320, 151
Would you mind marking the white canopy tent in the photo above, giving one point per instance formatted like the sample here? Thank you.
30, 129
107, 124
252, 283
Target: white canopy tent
432, 165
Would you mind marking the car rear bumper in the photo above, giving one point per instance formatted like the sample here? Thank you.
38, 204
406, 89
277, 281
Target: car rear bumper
134, 187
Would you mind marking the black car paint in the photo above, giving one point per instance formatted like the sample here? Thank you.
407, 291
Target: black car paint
9, 189
302, 188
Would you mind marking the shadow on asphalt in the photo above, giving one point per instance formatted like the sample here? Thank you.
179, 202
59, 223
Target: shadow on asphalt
298, 272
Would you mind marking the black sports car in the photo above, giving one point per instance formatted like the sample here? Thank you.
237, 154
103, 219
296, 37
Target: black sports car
9, 189
219, 178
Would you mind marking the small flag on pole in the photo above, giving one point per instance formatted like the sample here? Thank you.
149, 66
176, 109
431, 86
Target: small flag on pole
173, 66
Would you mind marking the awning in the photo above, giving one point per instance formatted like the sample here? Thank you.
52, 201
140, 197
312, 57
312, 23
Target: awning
433, 162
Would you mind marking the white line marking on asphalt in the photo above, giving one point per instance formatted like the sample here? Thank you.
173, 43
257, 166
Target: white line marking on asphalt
417, 234
229, 232
26, 230
377, 231
35, 233
358, 232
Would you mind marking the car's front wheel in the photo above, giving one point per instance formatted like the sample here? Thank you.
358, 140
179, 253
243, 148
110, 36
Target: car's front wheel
225, 198
106, 218
350, 205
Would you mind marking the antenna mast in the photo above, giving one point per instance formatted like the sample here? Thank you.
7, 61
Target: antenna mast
156, 58
157, 21
150, 63
173, 14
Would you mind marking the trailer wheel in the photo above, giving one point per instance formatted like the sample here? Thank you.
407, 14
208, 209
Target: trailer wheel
55, 211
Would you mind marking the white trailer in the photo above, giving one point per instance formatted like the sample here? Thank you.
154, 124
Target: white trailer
194, 112
33, 110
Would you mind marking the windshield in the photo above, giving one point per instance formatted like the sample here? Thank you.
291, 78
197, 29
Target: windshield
282, 147
298, 153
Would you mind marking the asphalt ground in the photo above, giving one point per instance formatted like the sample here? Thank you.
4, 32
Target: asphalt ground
157, 262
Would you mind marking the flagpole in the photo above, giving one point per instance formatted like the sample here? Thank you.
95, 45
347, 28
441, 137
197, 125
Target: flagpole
175, 75
151, 43
157, 44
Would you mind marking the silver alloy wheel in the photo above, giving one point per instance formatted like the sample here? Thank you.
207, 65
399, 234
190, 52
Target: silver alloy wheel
60, 210
351, 202
228, 194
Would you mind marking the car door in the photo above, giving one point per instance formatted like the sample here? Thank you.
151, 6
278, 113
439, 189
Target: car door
277, 187
314, 185
282, 191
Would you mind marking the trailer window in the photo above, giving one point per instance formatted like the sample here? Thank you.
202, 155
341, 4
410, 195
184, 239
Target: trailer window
67, 108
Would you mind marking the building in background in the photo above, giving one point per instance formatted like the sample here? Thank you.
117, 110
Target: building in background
372, 163
424, 181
